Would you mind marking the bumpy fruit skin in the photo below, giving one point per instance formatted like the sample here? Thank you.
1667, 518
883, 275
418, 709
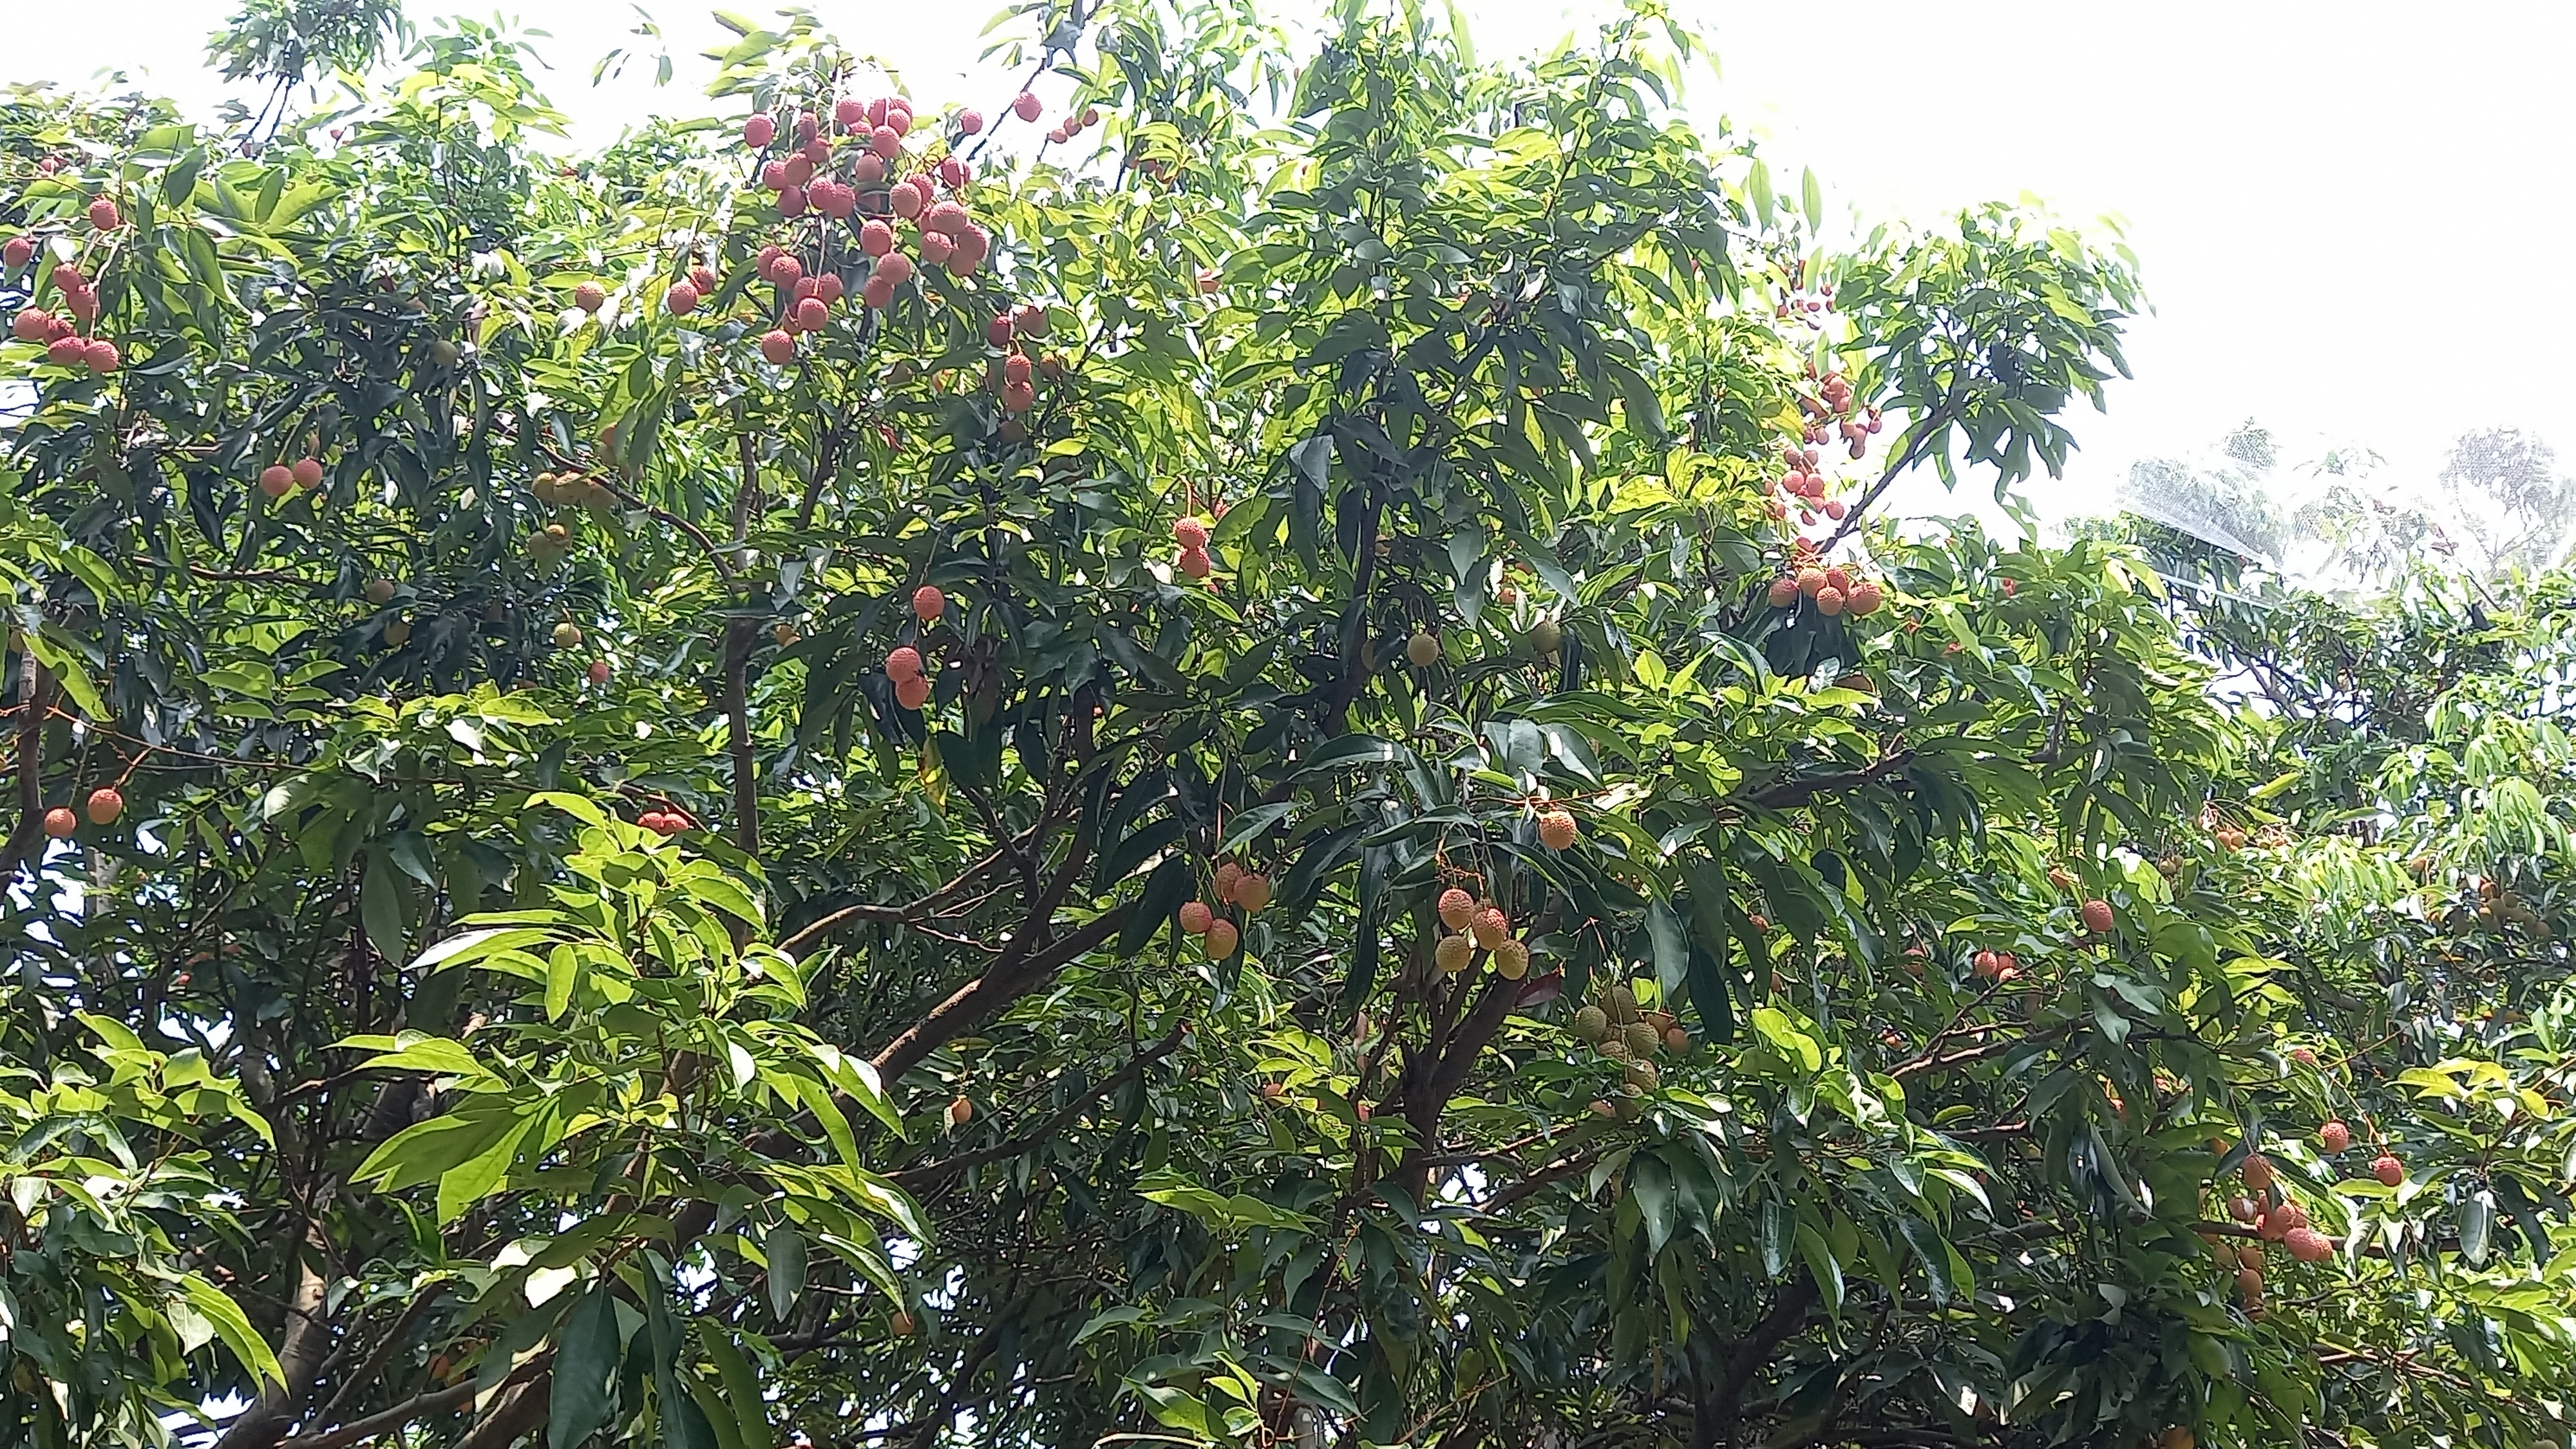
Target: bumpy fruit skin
1491, 927
1189, 532
380, 591
902, 663
1591, 1024
590, 296
681, 299
1829, 601
567, 635
1556, 830
2334, 1137
17, 252
1457, 908
1227, 875
912, 693
1641, 1038
277, 480
1026, 106
105, 804
102, 356
598, 671
104, 215
1782, 593
307, 472
1252, 891
778, 347
928, 603
1511, 960
2388, 1170
2256, 1173
1196, 917
758, 132
1220, 940
60, 822
1194, 563
970, 122
33, 324
2308, 1245
1453, 953
1864, 598
1677, 1041
2097, 917
1422, 650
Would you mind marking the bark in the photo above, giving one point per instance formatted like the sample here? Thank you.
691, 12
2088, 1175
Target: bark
301, 1349
35, 697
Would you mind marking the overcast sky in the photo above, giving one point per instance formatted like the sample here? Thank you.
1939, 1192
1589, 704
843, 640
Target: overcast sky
2352, 216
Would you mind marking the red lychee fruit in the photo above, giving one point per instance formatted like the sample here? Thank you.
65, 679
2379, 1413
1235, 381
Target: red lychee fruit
928, 603
1196, 917
1220, 940
970, 122
104, 216
2097, 917
1026, 106
599, 671
758, 132
912, 693
902, 663
876, 238
1457, 908
277, 480
681, 299
105, 804
307, 472
1194, 563
60, 822
778, 347
2388, 1170
2334, 1137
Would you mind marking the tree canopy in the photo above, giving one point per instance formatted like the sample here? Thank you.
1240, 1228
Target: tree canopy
1264, 771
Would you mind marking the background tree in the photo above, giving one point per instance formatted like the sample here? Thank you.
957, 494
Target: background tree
1264, 776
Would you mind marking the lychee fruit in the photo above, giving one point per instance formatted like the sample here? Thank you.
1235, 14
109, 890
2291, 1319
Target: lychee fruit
1491, 927
1453, 953
1189, 532
567, 635
104, 216
970, 122
598, 671
681, 299
589, 296
1556, 829
1511, 960
2334, 1137
902, 663
1252, 891
307, 472
758, 132
912, 693
928, 603
2256, 1172
778, 347
1196, 917
1457, 909
105, 804
60, 822
2097, 917
1422, 650
1194, 563
1026, 106
277, 480
1220, 940
2388, 1170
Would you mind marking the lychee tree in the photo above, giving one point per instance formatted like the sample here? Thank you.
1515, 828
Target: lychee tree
1236, 753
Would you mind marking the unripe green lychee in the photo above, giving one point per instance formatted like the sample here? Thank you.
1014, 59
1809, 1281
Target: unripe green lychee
1641, 1039
1591, 1024
1453, 953
1422, 649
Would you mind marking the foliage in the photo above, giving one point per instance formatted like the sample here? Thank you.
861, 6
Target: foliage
647, 893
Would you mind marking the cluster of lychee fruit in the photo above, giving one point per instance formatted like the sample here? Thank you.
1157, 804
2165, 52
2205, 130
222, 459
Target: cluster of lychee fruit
279, 479
1834, 411
1477, 926
1616, 1027
666, 820
1832, 588
845, 172
571, 490
1246, 890
1995, 965
61, 333
1014, 372
903, 662
104, 805
1065, 130
1803, 486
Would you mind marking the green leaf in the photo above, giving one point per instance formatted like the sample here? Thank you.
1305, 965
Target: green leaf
233, 1327
380, 906
785, 1249
587, 1350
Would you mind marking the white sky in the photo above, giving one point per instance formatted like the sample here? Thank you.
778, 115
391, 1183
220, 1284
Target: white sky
2351, 215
